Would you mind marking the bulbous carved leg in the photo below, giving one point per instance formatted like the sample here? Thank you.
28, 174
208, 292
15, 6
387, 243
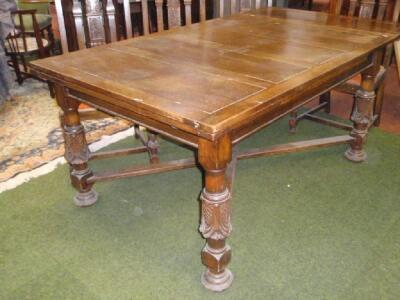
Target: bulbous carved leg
362, 117
153, 146
76, 150
215, 214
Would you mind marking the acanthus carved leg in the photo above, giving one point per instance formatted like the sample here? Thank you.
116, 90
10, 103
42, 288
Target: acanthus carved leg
76, 149
215, 214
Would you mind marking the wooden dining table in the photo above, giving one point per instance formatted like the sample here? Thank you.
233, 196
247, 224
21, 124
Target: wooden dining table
209, 86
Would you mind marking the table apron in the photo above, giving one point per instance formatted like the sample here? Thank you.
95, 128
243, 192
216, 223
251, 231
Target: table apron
294, 100
145, 121
289, 101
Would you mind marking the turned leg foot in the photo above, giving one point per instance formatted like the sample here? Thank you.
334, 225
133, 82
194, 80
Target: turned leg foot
355, 152
86, 198
355, 155
217, 282
215, 279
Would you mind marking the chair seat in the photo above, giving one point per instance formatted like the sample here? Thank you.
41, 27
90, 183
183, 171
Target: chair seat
42, 19
31, 45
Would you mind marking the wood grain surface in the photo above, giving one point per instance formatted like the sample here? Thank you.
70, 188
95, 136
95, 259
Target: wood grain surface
224, 74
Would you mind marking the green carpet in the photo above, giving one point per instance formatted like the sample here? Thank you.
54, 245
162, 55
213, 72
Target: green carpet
308, 225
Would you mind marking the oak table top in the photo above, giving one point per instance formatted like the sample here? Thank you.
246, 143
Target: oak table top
209, 77
210, 85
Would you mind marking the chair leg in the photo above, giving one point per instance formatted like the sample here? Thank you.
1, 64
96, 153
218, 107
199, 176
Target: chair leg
14, 61
293, 121
136, 128
24, 66
379, 103
51, 40
51, 89
326, 98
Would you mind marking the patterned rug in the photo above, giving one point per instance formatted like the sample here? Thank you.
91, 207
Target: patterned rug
30, 135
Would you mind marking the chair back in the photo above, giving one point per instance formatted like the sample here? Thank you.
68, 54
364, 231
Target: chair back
229, 7
20, 40
88, 23
381, 10
377, 9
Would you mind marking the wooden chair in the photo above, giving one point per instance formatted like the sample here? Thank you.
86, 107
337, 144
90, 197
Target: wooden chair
361, 9
24, 44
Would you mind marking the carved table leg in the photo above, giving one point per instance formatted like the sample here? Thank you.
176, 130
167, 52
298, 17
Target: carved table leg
153, 146
216, 213
76, 149
362, 115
